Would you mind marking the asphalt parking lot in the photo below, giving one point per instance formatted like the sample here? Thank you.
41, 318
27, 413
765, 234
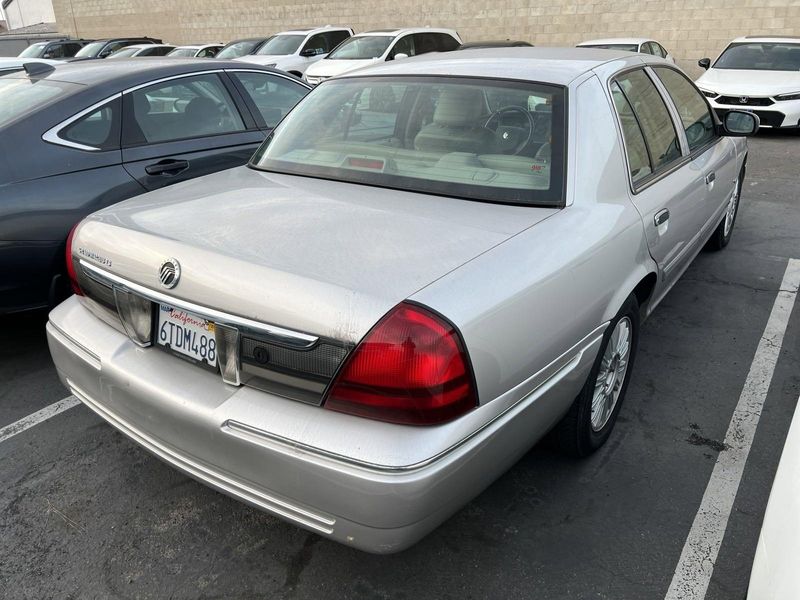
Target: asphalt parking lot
85, 513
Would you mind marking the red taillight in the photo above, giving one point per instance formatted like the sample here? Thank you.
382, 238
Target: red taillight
410, 368
73, 276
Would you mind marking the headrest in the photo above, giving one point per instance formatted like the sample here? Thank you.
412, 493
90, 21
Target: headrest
459, 107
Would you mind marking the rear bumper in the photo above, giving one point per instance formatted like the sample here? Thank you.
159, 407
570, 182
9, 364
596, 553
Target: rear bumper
219, 434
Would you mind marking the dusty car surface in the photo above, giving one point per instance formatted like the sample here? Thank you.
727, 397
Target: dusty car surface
427, 266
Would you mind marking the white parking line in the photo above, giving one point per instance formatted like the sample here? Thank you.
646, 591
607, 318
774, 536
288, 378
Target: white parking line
24, 423
696, 565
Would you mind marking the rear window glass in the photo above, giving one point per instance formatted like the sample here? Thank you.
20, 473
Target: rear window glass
478, 139
20, 96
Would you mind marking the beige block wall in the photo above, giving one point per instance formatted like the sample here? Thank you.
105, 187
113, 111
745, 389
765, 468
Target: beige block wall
690, 29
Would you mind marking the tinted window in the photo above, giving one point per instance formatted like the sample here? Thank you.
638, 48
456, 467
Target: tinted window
71, 49
427, 134
760, 57
362, 47
426, 42
20, 96
273, 96
336, 37
318, 43
445, 43
156, 51
98, 129
692, 107
635, 148
179, 109
404, 45
653, 117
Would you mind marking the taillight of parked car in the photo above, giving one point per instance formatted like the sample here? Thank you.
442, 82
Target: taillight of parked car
411, 368
73, 276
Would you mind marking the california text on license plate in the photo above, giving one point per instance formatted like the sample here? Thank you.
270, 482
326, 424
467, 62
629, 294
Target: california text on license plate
187, 334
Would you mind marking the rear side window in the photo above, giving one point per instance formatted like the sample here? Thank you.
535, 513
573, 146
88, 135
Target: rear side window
635, 148
273, 96
336, 37
184, 108
445, 42
426, 42
652, 116
99, 129
698, 123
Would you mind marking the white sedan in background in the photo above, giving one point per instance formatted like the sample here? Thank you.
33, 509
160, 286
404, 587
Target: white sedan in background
758, 74
775, 575
196, 51
152, 50
643, 45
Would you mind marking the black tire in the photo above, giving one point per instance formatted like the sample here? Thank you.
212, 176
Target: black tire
574, 435
719, 239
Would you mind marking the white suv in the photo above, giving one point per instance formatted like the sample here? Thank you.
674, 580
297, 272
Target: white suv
380, 45
294, 51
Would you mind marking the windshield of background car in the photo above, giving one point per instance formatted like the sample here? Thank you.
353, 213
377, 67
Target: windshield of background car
479, 139
237, 49
360, 48
625, 47
92, 49
281, 44
34, 51
20, 96
125, 53
185, 52
760, 56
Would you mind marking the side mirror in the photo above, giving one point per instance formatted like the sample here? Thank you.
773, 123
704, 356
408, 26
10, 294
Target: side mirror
47, 54
400, 56
105, 54
308, 52
704, 62
740, 123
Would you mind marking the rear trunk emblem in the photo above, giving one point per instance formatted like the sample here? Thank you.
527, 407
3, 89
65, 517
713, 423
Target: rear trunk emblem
169, 273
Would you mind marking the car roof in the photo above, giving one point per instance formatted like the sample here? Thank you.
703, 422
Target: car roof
628, 40
405, 30
311, 30
774, 39
125, 73
558, 66
493, 44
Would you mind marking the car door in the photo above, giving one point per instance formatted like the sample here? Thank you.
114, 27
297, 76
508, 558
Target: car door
185, 127
710, 154
668, 191
269, 96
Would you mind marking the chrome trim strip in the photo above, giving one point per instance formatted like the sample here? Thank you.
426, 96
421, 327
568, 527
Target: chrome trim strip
283, 336
316, 521
81, 351
51, 135
558, 368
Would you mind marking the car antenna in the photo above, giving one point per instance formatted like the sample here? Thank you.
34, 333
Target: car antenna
35, 69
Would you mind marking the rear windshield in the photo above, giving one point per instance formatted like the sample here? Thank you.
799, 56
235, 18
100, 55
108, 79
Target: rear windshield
360, 48
760, 57
20, 96
281, 44
478, 139
625, 47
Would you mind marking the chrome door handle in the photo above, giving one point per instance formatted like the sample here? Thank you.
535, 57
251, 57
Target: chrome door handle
710, 178
661, 217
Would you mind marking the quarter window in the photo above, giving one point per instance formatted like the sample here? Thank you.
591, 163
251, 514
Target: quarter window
184, 108
652, 116
698, 123
273, 96
99, 129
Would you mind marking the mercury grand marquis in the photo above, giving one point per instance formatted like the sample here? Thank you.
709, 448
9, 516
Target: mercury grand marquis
426, 267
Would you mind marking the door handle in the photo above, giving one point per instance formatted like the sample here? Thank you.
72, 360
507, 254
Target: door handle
168, 167
710, 178
661, 217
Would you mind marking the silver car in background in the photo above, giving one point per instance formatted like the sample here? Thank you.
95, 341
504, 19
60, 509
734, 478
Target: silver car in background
428, 266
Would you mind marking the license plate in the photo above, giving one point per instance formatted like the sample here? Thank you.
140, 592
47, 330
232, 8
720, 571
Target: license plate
187, 334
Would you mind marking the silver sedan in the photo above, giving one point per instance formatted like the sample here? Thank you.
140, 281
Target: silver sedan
429, 265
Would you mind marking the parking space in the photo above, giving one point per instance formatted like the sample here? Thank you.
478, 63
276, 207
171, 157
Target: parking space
87, 513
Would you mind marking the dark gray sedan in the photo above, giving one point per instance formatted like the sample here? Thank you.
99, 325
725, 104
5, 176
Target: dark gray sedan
77, 138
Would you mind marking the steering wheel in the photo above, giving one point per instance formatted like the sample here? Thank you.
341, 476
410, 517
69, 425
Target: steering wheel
508, 141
